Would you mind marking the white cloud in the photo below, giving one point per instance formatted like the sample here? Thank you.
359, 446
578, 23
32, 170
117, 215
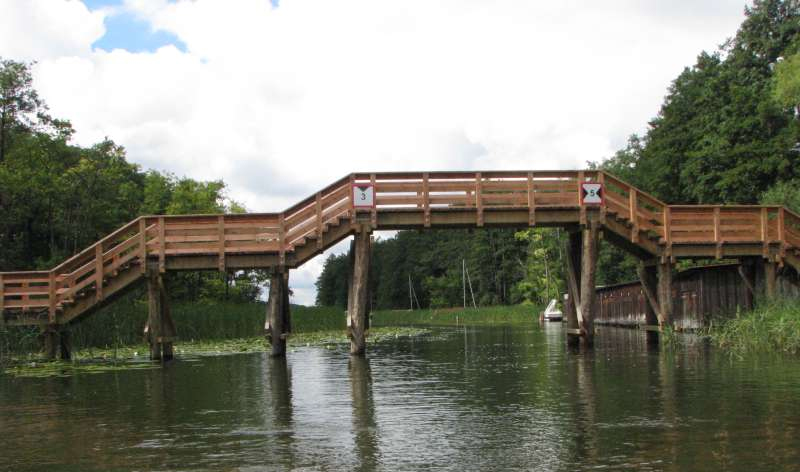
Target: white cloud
279, 102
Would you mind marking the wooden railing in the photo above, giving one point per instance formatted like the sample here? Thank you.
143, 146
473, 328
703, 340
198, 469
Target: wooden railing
160, 237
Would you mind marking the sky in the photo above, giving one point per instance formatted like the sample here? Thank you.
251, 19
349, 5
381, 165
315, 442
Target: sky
280, 98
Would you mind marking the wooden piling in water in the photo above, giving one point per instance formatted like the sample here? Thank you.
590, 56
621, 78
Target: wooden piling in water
278, 325
648, 276
573, 273
57, 343
160, 330
358, 296
664, 274
587, 290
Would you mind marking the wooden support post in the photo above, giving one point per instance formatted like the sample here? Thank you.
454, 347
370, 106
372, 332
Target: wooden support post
143, 245
98, 271
531, 201
573, 273
160, 330
278, 324
746, 271
770, 279
358, 301
587, 290
426, 200
664, 274
648, 275
479, 197
667, 216
51, 341
56, 343
162, 245
221, 243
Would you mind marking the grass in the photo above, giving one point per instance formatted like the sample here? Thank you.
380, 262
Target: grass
457, 316
770, 328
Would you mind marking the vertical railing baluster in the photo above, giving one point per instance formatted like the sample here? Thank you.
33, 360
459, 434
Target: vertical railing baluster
426, 203
531, 201
352, 209
98, 271
479, 197
162, 245
282, 238
143, 245
633, 203
221, 243
782, 232
319, 219
52, 297
579, 195
373, 216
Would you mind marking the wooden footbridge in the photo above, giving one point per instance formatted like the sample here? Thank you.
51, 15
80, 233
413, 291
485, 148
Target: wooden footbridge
657, 233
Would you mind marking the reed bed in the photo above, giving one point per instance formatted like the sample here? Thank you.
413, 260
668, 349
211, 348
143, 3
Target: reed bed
772, 327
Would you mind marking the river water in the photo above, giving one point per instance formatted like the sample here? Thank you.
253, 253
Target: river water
474, 398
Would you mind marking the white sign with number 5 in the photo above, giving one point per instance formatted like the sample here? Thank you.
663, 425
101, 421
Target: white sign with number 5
591, 194
363, 196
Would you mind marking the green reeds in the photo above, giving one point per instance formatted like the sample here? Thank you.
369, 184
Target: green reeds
772, 327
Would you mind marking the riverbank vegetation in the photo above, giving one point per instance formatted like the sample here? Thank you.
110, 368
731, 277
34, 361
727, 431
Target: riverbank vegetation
772, 327
457, 316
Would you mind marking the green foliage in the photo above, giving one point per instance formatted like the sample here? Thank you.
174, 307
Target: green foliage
720, 137
787, 81
495, 259
783, 193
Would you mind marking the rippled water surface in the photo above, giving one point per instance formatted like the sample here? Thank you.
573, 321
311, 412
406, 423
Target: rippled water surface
497, 398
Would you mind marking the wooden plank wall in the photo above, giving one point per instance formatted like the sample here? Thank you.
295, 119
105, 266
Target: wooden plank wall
698, 295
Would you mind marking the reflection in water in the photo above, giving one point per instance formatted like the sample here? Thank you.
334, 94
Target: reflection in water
364, 426
475, 398
280, 389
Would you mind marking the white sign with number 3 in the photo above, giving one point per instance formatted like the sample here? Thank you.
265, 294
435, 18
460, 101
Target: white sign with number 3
363, 196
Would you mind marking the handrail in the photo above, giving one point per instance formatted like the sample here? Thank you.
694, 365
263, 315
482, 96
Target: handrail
223, 235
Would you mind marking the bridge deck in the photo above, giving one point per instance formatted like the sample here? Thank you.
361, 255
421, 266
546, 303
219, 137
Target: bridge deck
630, 218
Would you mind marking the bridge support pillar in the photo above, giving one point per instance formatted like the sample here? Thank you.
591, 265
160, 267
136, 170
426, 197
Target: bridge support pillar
664, 272
587, 291
57, 343
160, 330
573, 272
358, 292
648, 275
581, 270
279, 322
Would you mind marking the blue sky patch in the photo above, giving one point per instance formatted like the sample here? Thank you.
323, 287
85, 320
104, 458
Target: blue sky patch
126, 31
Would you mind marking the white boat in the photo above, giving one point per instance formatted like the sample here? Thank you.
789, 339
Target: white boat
552, 313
